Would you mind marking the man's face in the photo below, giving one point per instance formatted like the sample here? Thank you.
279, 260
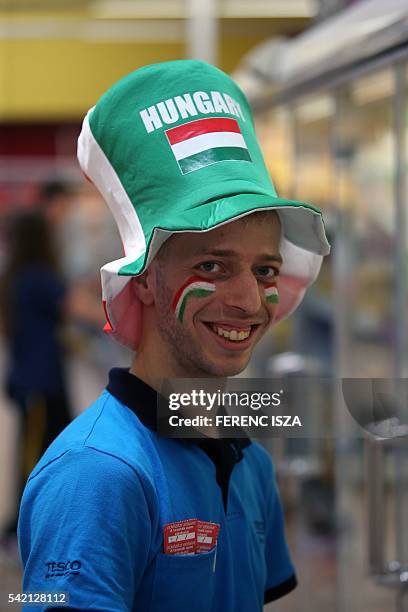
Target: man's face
212, 330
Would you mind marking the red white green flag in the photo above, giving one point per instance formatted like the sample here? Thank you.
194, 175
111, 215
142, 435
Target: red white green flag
193, 287
207, 141
271, 294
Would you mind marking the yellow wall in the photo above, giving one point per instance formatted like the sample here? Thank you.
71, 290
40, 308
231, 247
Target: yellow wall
59, 79
56, 62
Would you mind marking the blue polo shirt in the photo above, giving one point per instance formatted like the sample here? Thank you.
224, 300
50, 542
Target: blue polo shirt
94, 509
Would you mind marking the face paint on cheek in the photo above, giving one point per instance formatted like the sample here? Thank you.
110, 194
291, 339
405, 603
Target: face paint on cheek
271, 294
194, 287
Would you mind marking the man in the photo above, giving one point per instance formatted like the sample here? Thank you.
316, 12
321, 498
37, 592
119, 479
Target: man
212, 258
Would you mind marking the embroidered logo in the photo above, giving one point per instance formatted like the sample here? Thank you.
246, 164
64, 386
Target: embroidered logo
62, 568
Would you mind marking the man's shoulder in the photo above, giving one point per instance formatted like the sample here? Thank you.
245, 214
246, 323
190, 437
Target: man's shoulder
106, 428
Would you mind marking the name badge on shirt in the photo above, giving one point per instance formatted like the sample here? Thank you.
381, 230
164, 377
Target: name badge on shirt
190, 537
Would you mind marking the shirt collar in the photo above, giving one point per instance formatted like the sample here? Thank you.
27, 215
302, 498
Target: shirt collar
142, 400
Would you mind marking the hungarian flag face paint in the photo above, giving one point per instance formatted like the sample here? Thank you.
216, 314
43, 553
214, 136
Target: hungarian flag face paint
193, 287
271, 294
204, 142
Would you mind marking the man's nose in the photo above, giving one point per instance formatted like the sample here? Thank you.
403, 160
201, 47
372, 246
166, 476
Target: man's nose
243, 292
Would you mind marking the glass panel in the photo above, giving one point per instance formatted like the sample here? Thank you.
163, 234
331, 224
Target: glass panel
275, 135
364, 150
314, 164
365, 153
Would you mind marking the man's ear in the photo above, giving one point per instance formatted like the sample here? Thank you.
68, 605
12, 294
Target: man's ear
142, 288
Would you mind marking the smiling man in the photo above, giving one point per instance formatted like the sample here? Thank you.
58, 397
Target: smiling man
114, 516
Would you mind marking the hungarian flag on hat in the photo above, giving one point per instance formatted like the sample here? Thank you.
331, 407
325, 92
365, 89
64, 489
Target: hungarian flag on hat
172, 148
203, 142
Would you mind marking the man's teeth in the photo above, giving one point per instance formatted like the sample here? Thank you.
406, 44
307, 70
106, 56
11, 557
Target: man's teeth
232, 334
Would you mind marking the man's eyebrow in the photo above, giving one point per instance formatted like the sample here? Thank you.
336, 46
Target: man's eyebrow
276, 258
229, 253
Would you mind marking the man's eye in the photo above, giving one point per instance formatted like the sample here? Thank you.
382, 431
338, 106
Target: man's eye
267, 272
209, 266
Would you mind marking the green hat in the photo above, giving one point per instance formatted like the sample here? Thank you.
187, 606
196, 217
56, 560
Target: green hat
172, 148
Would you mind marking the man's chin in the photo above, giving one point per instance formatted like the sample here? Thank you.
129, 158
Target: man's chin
224, 358
223, 369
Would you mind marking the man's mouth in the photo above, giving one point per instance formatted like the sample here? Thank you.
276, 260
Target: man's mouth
230, 332
236, 335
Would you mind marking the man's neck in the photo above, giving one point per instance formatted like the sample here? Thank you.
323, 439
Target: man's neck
149, 374
140, 369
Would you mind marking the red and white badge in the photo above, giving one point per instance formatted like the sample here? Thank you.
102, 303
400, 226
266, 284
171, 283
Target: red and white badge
207, 534
190, 537
180, 538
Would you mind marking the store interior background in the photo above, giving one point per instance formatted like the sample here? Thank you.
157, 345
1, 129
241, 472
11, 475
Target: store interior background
333, 129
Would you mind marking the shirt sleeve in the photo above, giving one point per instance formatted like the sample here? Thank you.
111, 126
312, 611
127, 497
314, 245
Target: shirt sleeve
85, 530
281, 577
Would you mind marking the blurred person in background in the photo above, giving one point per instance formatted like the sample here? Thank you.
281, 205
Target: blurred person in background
32, 307
55, 201
35, 303
87, 240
